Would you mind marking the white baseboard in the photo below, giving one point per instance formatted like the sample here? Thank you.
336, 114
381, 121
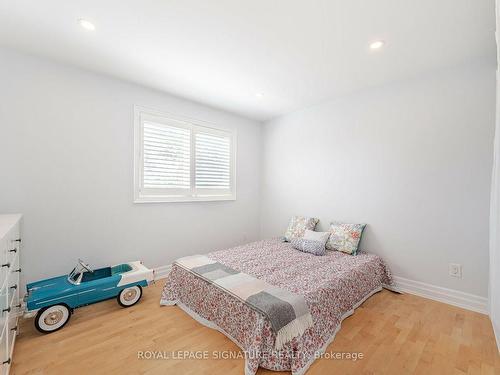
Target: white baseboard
162, 272
496, 332
450, 296
418, 288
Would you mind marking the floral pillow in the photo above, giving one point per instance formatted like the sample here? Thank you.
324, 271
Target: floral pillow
345, 237
298, 225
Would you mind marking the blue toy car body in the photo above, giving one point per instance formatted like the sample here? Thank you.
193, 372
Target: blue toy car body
50, 298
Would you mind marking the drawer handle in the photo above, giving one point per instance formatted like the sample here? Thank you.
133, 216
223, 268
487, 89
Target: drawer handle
14, 250
18, 240
6, 310
19, 305
6, 362
6, 265
14, 328
18, 270
13, 287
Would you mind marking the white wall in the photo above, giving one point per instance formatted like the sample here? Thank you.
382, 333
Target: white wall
412, 159
66, 163
494, 291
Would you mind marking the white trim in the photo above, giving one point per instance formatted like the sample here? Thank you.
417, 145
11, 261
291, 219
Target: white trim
496, 332
161, 272
182, 198
450, 296
195, 126
11, 351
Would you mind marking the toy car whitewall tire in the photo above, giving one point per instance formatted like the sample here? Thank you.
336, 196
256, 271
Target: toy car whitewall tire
130, 296
52, 318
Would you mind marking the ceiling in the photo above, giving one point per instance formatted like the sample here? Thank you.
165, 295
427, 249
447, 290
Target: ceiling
257, 58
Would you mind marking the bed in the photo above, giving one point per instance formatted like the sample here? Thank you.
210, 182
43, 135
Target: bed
333, 285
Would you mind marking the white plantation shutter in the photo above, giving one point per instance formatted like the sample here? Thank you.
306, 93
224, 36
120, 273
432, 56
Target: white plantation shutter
166, 156
212, 161
181, 160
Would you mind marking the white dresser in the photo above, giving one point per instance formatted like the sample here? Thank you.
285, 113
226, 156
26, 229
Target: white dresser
10, 304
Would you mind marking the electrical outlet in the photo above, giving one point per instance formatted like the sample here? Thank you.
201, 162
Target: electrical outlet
455, 270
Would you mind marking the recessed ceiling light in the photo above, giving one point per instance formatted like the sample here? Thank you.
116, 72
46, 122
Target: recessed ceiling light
87, 25
377, 44
259, 95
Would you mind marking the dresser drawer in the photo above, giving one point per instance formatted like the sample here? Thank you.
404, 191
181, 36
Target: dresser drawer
13, 248
4, 351
4, 270
13, 265
12, 332
14, 235
10, 249
13, 291
4, 304
13, 269
12, 260
10, 272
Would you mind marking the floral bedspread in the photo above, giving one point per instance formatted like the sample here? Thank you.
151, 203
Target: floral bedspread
333, 285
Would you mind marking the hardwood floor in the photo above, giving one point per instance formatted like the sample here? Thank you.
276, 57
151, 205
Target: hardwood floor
397, 334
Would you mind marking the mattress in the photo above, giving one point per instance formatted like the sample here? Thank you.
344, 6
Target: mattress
333, 285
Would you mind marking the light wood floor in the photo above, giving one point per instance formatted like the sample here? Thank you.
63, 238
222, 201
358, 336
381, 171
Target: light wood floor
397, 334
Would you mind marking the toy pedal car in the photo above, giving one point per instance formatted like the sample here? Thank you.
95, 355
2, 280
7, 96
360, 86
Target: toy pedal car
53, 300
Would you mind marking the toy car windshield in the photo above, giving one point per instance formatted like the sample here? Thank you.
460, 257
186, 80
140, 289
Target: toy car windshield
75, 276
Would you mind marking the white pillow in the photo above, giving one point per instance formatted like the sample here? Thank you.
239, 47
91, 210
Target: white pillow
316, 236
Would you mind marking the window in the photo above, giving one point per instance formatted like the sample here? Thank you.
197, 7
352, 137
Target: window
178, 160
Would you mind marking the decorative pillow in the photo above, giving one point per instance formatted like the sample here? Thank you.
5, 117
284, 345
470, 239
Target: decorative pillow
308, 246
298, 225
316, 236
345, 237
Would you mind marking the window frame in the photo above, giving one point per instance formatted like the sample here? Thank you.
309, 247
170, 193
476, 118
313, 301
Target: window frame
152, 195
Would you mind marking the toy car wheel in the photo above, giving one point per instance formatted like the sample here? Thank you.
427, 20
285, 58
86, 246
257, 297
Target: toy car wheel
130, 296
52, 318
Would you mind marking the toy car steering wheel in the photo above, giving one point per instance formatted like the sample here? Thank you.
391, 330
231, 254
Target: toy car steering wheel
85, 265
